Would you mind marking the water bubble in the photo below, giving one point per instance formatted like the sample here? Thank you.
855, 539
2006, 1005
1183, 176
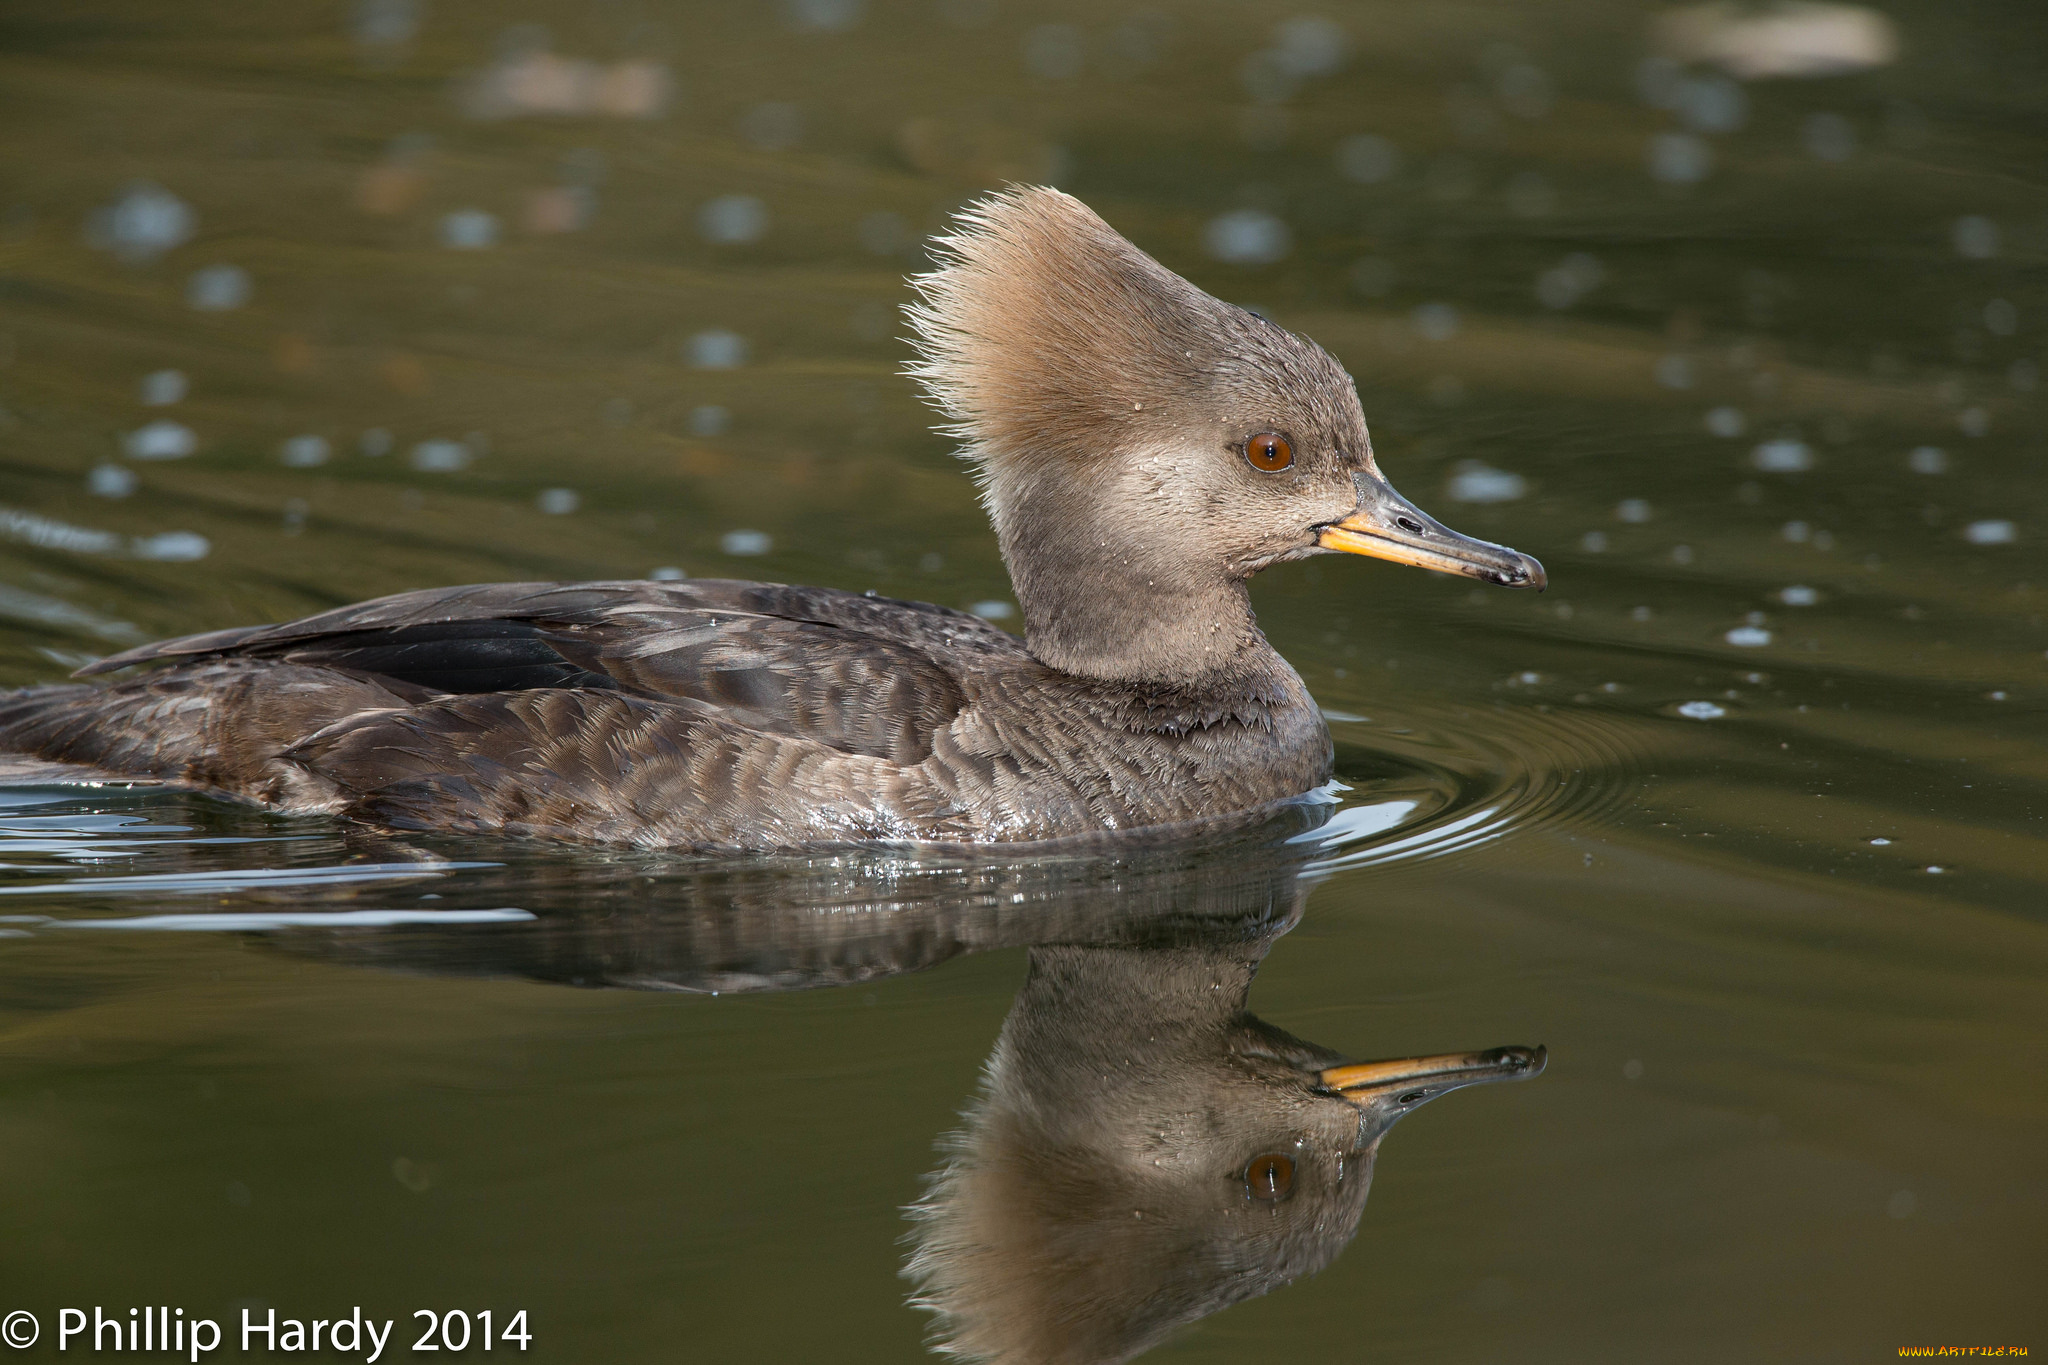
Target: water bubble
1054, 51
667, 573
1680, 158
1368, 159
1633, 510
469, 230
1530, 195
1435, 321
2001, 318
1997, 532
746, 542
1632, 1070
717, 349
733, 219
1681, 554
1701, 710
1928, 460
1593, 542
1973, 421
1880, 842
993, 610
1247, 237
441, 456
1476, 482
218, 288
1726, 422
172, 547
110, 481
1798, 595
1934, 869
1674, 371
1525, 91
375, 442
822, 16
384, 23
1309, 45
304, 452
884, 233
709, 419
1565, 283
1784, 455
1798, 532
143, 223
558, 502
1373, 276
165, 440
773, 125
1829, 137
1710, 104
161, 387
1975, 237
1639, 613
1748, 637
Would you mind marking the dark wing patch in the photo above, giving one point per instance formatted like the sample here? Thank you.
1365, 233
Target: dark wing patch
453, 656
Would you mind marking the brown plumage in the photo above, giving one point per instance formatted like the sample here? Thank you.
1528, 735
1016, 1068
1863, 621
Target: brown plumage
1109, 408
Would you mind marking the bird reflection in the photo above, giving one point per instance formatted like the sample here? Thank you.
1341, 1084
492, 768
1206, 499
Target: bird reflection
1143, 1151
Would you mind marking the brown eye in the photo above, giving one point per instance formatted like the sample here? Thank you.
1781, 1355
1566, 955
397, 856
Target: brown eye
1271, 1176
1269, 451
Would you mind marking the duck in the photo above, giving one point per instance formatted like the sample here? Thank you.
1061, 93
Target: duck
1142, 449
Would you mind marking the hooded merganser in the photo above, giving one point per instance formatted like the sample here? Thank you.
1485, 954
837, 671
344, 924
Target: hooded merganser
1143, 449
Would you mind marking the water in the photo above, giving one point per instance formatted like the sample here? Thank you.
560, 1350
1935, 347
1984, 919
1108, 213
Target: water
1742, 819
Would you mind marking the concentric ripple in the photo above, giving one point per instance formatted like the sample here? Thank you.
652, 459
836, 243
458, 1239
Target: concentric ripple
1429, 784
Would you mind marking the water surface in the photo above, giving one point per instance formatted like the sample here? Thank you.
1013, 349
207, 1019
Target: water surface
1742, 818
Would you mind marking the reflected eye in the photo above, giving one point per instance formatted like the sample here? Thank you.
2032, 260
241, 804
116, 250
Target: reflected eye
1269, 1177
1269, 451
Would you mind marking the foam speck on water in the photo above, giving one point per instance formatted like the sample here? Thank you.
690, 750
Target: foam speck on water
219, 288
163, 387
1995, 532
1247, 237
1701, 710
1476, 482
304, 452
717, 349
161, 440
1928, 460
1785, 455
746, 542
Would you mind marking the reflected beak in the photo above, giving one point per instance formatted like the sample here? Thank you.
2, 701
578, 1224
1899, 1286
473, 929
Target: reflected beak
1388, 526
1410, 1082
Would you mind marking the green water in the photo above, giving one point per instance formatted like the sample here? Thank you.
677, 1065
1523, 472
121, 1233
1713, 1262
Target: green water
1742, 819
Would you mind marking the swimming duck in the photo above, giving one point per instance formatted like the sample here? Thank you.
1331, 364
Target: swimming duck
1143, 449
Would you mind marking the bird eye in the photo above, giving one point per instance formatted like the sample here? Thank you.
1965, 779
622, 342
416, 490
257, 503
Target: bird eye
1269, 451
1269, 1177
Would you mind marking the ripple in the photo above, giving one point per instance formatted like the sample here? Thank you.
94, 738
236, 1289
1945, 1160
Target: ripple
1445, 782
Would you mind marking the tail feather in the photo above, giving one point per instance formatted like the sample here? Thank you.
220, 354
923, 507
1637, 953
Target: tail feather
214, 725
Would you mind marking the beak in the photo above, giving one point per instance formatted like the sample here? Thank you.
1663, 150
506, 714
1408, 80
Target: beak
1393, 1088
1388, 526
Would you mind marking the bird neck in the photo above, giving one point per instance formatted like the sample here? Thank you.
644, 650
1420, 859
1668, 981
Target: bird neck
1122, 598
